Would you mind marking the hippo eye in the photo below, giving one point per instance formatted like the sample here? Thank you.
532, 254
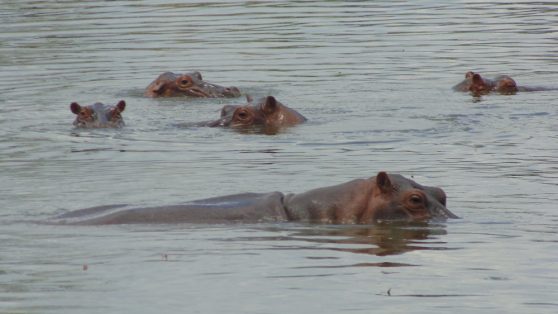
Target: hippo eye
242, 115
86, 115
416, 199
185, 81
114, 116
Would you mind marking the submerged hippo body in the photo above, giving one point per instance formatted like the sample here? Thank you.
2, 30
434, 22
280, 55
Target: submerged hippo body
190, 84
267, 114
360, 201
503, 84
98, 115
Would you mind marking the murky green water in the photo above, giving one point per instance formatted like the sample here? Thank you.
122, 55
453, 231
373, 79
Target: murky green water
374, 80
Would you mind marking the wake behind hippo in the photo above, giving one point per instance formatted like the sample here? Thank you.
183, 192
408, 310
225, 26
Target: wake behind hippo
190, 84
360, 201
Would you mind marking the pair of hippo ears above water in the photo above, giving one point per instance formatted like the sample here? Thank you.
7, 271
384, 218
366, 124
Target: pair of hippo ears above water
190, 84
77, 109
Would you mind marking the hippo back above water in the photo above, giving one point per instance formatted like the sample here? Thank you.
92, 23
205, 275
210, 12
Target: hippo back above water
190, 84
266, 115
98, 115
360, 201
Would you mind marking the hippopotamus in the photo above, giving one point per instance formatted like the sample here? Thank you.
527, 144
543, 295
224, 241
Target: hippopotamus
503, 84
360, 201
98, 115
267, 115
478, 85
190, 84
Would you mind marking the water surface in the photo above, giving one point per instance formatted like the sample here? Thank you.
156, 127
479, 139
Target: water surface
374, 80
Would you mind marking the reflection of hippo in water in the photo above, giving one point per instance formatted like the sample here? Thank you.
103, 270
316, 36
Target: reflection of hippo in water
267, 115
385, 238
503, 84
190, 84
98, 115
360, 201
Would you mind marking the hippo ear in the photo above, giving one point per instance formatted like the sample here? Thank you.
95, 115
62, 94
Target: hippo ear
469, 74
249, 98
159, 87
383, 182
197, 75
75, 107
270, 105
121, 105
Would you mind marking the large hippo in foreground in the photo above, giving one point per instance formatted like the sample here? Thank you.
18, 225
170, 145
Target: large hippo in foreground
266, 115
360, 201
98, 115
503, 84
190, 84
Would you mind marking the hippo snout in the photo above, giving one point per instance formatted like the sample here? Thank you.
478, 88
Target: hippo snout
231, 91
441, 213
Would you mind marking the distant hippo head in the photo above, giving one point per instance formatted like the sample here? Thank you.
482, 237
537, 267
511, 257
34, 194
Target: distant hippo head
98, 115
505, 85
395, 197
480, 86
190, 84
267, 115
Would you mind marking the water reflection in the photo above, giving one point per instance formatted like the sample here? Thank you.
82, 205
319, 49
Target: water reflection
381, 239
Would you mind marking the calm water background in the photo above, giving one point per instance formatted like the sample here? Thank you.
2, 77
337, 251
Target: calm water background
374, 80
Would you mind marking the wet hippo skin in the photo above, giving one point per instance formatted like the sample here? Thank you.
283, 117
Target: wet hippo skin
190, 84
266, 115
360, 201
98, 115
503, 84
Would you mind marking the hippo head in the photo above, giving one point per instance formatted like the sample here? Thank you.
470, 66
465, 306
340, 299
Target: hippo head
190, 84
480, 86
98, 115
506, 85
267, 115
395, 197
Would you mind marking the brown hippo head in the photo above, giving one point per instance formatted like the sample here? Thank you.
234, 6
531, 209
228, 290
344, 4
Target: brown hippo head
98, 115
365, 201
505, 85
190, 84
267, 115
480, 86
395, 197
